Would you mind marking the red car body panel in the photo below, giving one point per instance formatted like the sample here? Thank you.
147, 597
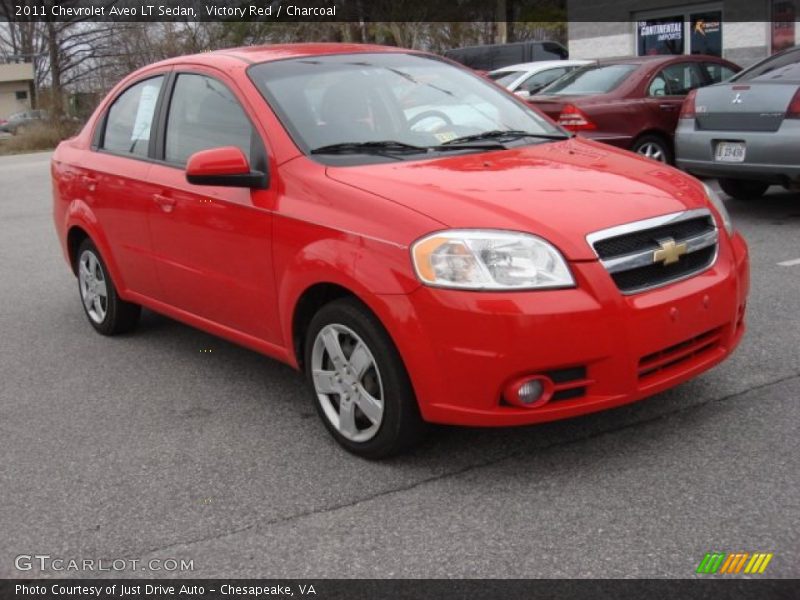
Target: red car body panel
627, 112
236, 262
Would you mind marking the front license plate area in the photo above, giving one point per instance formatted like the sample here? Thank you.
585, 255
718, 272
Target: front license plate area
730, 152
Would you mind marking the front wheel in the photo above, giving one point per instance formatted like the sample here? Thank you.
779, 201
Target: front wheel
361, 389
743, 189
107, 312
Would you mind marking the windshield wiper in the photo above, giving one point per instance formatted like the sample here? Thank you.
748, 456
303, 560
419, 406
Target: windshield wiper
389, 147
374, 147
497, 134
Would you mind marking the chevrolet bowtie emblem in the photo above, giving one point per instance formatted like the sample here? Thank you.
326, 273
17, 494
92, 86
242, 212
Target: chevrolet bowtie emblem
669, 252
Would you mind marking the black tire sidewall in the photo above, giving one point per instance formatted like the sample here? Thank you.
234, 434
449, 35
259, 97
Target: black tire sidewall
743, 189
401, 423
120, 316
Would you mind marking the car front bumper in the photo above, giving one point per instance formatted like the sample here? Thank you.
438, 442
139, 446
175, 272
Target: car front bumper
769, 156
462, 349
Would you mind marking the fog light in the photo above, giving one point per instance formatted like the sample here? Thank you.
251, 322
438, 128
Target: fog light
529, 392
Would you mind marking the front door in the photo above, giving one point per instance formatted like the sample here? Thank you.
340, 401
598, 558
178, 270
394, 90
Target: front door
212, 244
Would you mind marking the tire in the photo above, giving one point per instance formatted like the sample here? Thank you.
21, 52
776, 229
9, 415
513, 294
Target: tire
743, 189
369, 382
107, 312
654, 147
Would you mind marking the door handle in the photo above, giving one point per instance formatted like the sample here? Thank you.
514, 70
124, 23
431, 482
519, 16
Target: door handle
89, 182
166, 204
667, 107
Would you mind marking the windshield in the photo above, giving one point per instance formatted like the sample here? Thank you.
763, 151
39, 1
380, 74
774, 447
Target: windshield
407, 99
596, 79
504, 78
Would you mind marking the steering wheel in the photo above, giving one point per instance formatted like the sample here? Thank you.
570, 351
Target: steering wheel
430, 114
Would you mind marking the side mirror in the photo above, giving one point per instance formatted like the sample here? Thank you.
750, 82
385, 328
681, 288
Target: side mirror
226, 167
524, 94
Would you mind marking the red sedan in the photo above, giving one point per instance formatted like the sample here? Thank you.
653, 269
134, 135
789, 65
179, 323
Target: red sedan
422, 244
631, 103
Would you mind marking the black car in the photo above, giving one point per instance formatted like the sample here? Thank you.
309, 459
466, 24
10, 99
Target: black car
496, 56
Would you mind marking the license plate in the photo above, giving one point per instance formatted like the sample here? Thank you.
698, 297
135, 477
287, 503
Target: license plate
730, 152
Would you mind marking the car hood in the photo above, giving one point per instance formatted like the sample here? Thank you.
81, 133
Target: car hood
561, 191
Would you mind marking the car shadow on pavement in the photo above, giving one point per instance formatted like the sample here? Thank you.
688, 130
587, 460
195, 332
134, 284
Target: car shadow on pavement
778, 206
282, 395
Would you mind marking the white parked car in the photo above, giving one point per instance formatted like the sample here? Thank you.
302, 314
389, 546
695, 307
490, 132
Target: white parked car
526, 79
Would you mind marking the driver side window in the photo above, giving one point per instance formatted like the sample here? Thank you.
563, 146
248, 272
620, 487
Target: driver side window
680, 79
204, 114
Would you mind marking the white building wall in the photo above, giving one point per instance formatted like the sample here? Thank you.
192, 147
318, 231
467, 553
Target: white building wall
606, 46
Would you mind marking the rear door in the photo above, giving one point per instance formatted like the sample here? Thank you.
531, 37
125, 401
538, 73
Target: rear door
213, 244
667, 90
113, 177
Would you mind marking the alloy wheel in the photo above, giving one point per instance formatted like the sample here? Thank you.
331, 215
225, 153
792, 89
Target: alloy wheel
652, 150
347, 382
94, 291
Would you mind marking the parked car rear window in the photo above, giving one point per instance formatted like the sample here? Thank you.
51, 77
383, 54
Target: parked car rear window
770, 64
204, 114
786, 74
538, 81
504, 78
595, 79
130, 118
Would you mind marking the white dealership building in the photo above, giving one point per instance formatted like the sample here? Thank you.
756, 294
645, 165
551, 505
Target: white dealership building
741, 31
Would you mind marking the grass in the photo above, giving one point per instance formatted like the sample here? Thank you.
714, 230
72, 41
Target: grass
37, 137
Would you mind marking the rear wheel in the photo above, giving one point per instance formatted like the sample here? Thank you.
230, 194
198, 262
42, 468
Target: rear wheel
107, 312
743, 189
654, 147
361, 389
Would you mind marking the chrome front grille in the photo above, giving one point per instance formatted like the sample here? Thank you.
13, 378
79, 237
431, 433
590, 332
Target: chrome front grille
654, 252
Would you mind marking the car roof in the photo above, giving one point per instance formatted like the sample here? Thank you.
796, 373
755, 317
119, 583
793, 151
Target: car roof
273, 52
541, 65
658, 59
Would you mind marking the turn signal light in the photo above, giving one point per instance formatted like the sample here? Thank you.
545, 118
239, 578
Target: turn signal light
573, 118
794, 107
688, 110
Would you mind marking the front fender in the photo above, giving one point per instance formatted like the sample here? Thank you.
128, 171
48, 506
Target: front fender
367, 268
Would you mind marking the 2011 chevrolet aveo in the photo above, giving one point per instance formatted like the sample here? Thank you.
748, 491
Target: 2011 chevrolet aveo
425, 246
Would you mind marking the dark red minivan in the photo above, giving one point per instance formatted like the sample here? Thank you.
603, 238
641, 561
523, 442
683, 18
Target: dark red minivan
631, 103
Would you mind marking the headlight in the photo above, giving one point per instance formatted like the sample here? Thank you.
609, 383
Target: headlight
480, 259
720, 206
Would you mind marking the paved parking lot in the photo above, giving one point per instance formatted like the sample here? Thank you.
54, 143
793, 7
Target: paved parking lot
144, 446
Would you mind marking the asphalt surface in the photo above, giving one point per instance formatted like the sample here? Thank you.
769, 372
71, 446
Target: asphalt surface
143, 446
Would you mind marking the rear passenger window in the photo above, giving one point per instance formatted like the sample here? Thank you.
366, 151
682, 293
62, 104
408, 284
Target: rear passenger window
130, 118
204, 114
681, 78
717, 72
